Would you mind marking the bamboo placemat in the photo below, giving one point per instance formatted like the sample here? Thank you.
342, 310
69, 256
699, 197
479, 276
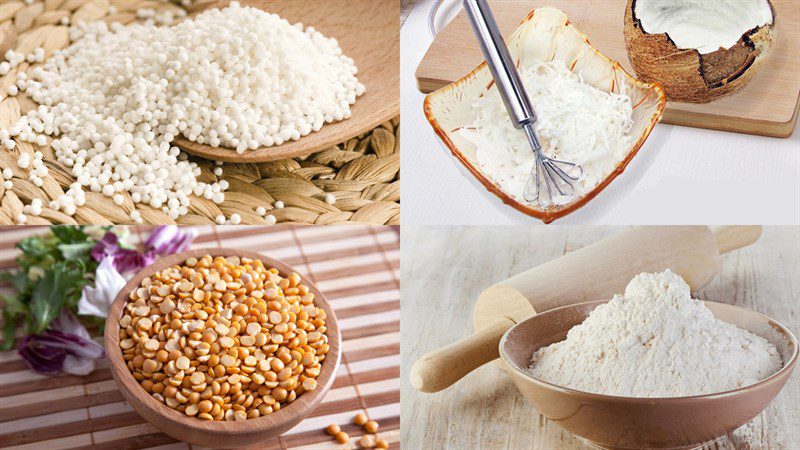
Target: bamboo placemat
363, 173
357, 268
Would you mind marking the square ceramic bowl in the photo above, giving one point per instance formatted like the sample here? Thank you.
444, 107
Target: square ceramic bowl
544, 35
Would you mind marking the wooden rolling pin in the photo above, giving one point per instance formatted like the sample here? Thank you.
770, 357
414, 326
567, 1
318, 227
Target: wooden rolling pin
595, 272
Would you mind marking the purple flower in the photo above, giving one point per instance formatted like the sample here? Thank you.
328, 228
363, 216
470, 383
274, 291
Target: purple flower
164, 240
124, 259
65, 346
67, 323
106, 246
169, 239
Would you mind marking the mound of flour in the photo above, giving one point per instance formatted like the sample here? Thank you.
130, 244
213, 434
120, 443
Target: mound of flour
656, 341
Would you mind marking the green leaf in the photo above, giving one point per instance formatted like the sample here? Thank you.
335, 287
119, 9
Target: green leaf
76, 251
12, 304
18, 280
68, 234
36, 247
51, 292
63, 257
13, 309
9, 330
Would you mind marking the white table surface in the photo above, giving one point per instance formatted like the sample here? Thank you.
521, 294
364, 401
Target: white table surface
681, 176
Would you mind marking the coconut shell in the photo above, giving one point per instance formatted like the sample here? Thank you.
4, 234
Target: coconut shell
685, 74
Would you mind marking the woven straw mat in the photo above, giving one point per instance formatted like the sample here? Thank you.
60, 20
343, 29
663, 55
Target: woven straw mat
362, 173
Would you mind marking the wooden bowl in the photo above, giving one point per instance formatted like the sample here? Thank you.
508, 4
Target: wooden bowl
212, 433
544, 35
369, 32
627, 422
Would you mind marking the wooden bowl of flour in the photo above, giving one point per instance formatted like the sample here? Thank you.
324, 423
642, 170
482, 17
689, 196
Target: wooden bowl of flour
628, 422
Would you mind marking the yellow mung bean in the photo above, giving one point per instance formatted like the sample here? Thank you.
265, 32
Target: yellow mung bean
224, 338
371, 426
342, 437
367, 441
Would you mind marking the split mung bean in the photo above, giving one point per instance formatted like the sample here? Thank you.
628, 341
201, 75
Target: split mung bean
223, 338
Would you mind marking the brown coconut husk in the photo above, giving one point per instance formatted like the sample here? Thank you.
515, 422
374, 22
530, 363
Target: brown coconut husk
685, 74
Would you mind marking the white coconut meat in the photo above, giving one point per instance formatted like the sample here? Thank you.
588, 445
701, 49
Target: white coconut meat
704, 25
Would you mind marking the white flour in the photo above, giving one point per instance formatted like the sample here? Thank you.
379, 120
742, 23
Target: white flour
656, 341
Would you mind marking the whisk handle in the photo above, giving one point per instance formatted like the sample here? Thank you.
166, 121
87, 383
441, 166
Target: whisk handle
503, 69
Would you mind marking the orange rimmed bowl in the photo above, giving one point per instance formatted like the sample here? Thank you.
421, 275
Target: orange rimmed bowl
215, 434
544, 35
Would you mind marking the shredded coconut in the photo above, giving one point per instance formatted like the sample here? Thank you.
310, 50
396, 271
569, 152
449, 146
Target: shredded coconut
656, 341
576, 123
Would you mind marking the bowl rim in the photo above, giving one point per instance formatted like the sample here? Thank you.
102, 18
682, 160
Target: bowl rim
785, 369
551, 214
295, 411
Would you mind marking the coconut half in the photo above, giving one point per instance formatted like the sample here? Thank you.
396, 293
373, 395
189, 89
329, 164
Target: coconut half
698, 50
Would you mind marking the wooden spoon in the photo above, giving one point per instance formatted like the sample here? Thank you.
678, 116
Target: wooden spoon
225, 434
369, 32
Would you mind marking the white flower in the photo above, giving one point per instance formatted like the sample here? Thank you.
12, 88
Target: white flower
95, 301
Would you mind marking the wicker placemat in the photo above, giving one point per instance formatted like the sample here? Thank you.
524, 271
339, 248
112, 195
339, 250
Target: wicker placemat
363, 174
357, 267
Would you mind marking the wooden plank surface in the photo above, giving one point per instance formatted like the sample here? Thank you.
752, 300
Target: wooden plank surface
356, 266
767, 106
405, 8
450, 266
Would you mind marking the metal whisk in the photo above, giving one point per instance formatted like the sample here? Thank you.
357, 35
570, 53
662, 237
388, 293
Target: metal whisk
553, 178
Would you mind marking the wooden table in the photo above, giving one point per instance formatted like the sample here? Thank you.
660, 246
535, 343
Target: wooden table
445, 268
